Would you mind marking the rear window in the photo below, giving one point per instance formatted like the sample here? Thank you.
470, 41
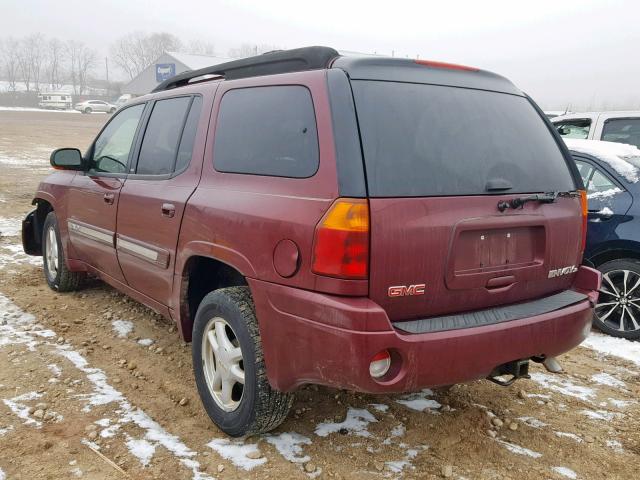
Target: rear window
622, 130
430, 140
267, 131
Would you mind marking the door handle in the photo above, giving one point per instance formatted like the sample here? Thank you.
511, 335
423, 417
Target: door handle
109, 198
168, 210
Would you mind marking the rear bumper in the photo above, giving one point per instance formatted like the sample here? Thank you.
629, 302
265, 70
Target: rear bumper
315, 338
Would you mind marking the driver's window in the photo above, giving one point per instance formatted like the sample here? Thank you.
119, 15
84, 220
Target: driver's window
112, 147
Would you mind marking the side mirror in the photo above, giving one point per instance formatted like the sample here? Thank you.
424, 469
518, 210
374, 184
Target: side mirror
67, 159
564, 130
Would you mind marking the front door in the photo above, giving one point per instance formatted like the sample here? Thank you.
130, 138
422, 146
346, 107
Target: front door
153, 198
93, 196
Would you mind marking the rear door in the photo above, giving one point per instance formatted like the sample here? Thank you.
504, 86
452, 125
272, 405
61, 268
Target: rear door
93, 196
154, 196
439, 160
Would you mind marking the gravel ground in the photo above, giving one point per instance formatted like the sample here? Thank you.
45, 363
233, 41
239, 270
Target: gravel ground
94, 385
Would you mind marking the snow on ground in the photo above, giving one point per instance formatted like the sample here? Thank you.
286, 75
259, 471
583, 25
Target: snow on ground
12, 255
563, 386
289, 444
572, 436
33, 109
238, 452
356, 422
10, 227
608, 380
122, 327
565, 472
512, 447
145, 342
420, 401
618, 347
20, 328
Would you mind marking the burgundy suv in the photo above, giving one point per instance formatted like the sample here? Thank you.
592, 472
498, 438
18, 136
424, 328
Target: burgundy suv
376, 224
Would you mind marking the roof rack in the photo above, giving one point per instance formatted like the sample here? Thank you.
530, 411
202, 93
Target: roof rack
270, 63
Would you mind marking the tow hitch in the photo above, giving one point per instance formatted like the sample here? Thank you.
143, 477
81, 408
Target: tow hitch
516, 369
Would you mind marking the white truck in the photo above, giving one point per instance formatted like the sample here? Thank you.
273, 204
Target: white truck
55, 100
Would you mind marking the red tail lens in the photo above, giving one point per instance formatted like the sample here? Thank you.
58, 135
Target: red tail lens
585, 212
450, 66
341, 245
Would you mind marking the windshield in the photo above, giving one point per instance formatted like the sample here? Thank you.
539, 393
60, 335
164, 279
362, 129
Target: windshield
431, 140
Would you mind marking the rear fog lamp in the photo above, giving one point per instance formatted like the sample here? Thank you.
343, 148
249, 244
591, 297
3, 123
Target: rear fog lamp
380, 364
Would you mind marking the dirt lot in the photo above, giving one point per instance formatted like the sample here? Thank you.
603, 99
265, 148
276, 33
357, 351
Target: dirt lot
95, 372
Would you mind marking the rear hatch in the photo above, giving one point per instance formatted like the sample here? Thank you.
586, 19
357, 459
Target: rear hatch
439, 159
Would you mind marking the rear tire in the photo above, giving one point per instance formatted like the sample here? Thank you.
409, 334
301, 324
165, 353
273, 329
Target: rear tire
226, 322
87, 110
56, 273
617, 312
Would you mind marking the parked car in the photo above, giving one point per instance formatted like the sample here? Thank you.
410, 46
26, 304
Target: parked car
234, 200
90, 106
620, 127
54, 100
611, 172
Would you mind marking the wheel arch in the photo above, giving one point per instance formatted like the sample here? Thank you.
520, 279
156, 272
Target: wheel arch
32, 235
615, 251
200, 275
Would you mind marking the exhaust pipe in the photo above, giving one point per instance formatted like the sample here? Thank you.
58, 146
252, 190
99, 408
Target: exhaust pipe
552, 365
516, 369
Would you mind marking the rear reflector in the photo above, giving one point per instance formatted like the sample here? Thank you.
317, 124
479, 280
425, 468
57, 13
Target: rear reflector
450, 66
341, 244
585, 212
380, 364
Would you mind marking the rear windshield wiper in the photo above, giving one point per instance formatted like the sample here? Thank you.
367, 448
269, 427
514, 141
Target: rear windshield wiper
519, 202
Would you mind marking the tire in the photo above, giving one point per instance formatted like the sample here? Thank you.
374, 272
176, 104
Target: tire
56, 273
87, 110
251, 408
616, 313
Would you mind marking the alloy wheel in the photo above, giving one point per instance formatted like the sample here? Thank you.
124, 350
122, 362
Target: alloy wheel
51, 247
222, 363
619, 303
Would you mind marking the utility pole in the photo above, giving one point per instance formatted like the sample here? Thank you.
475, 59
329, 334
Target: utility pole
106, 68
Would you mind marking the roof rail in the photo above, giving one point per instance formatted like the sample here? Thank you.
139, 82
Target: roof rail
270, 63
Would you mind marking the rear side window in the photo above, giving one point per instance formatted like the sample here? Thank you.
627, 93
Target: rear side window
622, 130
431, 140
185, 150
267, 131
160, 145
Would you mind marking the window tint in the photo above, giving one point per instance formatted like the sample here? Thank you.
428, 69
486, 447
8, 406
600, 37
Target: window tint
430, 140
267, 131
622, 130
111, 149
578, 128
160, 144
585, 171
185, 150
599, 183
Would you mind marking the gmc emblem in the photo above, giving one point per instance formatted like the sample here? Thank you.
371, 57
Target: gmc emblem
404, 291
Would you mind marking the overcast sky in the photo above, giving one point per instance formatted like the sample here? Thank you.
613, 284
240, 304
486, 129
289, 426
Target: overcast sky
563, 52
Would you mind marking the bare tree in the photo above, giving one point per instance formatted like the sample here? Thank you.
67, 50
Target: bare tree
54, 62
136, 51
249, 49
200, 47
81, 61
9, 56
24, 63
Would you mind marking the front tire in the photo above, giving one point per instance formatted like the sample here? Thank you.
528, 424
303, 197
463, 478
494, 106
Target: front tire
617, 312
58, 276
229, 367
87, 110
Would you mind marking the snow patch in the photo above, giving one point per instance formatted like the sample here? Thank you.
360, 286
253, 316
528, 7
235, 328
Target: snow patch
145, 342
599, 415
533, 422
10, 227
512, 447
572, 436
420, 401
615, 445
608, 380
20, 409
563, 386
141, 449
380, 407
604, 194
617, 347
122, 327
289, 444
565, 472
623, 158
356, 422
619, 403
55, 369
2, 475
236, 452
605, 211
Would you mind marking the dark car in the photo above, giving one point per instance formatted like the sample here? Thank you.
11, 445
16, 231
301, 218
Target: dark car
376, 224
611, 172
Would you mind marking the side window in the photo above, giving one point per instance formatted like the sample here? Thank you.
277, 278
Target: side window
622, 130
267, 131
578, 128
185, 150
585, 171
162, 135
111, 148
599, 183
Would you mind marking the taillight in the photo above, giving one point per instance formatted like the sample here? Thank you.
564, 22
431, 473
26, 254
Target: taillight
585, 213
341, 244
